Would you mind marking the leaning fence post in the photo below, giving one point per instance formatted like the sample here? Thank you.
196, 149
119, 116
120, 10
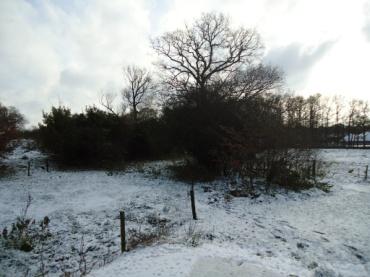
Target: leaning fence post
366, 170
123, 231
192, 198
29, 168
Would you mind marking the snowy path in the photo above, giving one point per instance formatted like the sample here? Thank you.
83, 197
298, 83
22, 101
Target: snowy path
299, 234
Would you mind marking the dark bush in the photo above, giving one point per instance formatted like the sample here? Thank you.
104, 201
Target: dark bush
11, 122
193, 172
198, 130
98, 138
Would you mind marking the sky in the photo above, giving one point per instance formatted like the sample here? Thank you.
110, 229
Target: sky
67, 52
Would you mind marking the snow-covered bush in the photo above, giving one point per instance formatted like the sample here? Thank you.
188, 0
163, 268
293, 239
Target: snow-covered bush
158, 230
5, 170
193, 235
291, 169
25, 233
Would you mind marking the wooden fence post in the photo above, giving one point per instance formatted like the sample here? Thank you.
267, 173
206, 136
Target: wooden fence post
192, 198
29, 168
47, 165
123, 231
366, 170
314, 168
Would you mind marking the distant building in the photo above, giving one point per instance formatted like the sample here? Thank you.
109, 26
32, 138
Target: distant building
362, 139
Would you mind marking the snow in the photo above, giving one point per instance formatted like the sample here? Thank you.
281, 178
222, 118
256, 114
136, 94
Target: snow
218, 267
305, 234
173, 260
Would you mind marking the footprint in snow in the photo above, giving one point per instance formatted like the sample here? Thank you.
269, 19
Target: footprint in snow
325, 239
280, 238
259, 225
356, 253
302, 245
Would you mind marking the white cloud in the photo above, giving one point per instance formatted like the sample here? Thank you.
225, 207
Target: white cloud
50, 54
366, 26
68, 51
297, 61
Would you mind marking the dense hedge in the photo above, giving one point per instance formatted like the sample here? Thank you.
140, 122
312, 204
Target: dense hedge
96, 137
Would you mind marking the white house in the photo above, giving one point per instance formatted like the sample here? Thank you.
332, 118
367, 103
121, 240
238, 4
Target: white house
357, 137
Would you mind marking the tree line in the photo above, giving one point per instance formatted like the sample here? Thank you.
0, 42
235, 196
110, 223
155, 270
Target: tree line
328, 121
210, 98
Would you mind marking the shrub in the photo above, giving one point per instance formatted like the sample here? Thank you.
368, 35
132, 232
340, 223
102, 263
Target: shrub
98, 138
198, 130
191, 171
5, 171
137, 237
11, 122
192, 235
25, 233
325, 187
82, 139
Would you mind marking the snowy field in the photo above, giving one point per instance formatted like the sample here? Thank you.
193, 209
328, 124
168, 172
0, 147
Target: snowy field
308, 234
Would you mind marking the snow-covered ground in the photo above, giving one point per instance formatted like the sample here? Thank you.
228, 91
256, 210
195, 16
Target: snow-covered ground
307, 234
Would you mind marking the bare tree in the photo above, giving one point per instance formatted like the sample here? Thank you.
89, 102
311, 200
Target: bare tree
313, 111
352, 112
207, 51
140, 83
325, 117
338, 107
251, 82
295, 107
362, 121
217, 83
107, 101
326, 109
